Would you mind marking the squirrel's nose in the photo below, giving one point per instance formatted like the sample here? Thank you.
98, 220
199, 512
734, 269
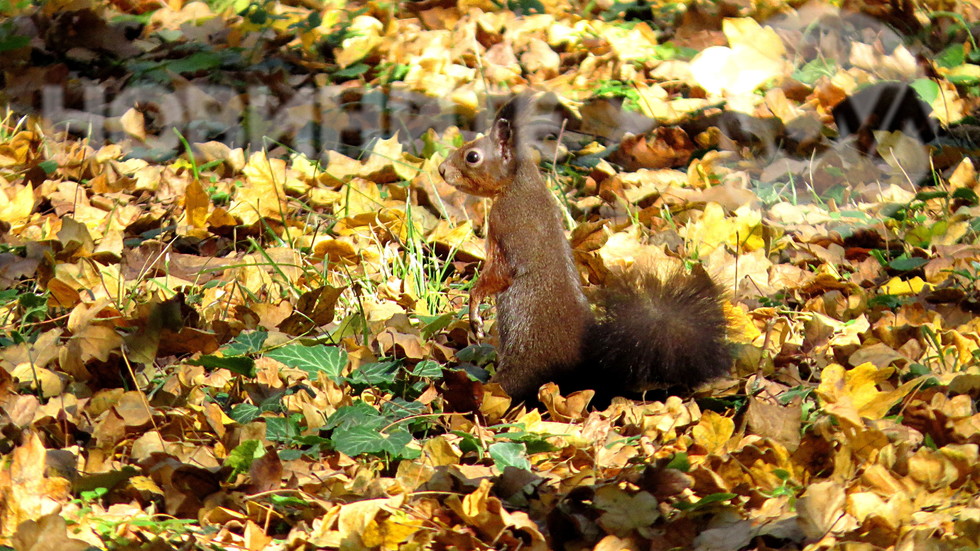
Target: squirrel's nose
442, 170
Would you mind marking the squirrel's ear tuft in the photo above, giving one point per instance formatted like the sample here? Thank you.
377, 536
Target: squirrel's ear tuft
502, 136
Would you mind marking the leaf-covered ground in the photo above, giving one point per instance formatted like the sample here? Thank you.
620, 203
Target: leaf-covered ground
233, 284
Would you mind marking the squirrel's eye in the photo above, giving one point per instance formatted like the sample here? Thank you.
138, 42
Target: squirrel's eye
473, 157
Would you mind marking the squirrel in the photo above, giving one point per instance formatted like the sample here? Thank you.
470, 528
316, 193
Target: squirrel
642, 332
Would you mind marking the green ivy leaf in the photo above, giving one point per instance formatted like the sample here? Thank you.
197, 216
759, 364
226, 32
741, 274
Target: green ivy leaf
433, 324
196, 62
427, 368
354, 441
240, 459
283, 429
48, 167
509, 454
812, 71
353, 71
288, 501
705, 501
13, 42
246, 343
329, 360
966, 194
237, 364
398, 408
680, 462
927, 89
375, 373
244, 413
906, 264
954, 56
358, 414
395, 441
479, 354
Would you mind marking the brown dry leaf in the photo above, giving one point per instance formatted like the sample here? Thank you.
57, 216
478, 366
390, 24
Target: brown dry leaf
75, 238
487, 515
233, 159
624, 513
565, 409
255, 537
46, 533
665, 147
767, 417
133, 408
28, 494
314, 308
821, 510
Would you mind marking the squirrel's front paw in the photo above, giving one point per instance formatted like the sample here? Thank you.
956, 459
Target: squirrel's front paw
476, 324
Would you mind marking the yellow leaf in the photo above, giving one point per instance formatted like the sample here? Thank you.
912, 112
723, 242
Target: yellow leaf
75, 237
28, 494
635, 43
713, 431
355, 518
133, 124
475, 503
394, 530
897, 286
110, 247
933, 469
714, 229
18, 149
968, 70
747, 229
458, 237
38, 378
16, 203
388, 163
263, 195
894, 512
145, 484
439, 452
756, 55
363, 35
360, 197
965, 175
747, 32
339, 169
854, 394
196, 205
740, 326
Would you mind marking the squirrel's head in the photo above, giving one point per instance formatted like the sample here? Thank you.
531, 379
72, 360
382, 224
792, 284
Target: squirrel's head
485, 166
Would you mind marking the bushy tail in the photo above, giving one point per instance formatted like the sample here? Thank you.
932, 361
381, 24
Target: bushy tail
652, 331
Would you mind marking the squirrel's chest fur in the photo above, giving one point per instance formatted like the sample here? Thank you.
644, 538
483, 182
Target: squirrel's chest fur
545, 286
